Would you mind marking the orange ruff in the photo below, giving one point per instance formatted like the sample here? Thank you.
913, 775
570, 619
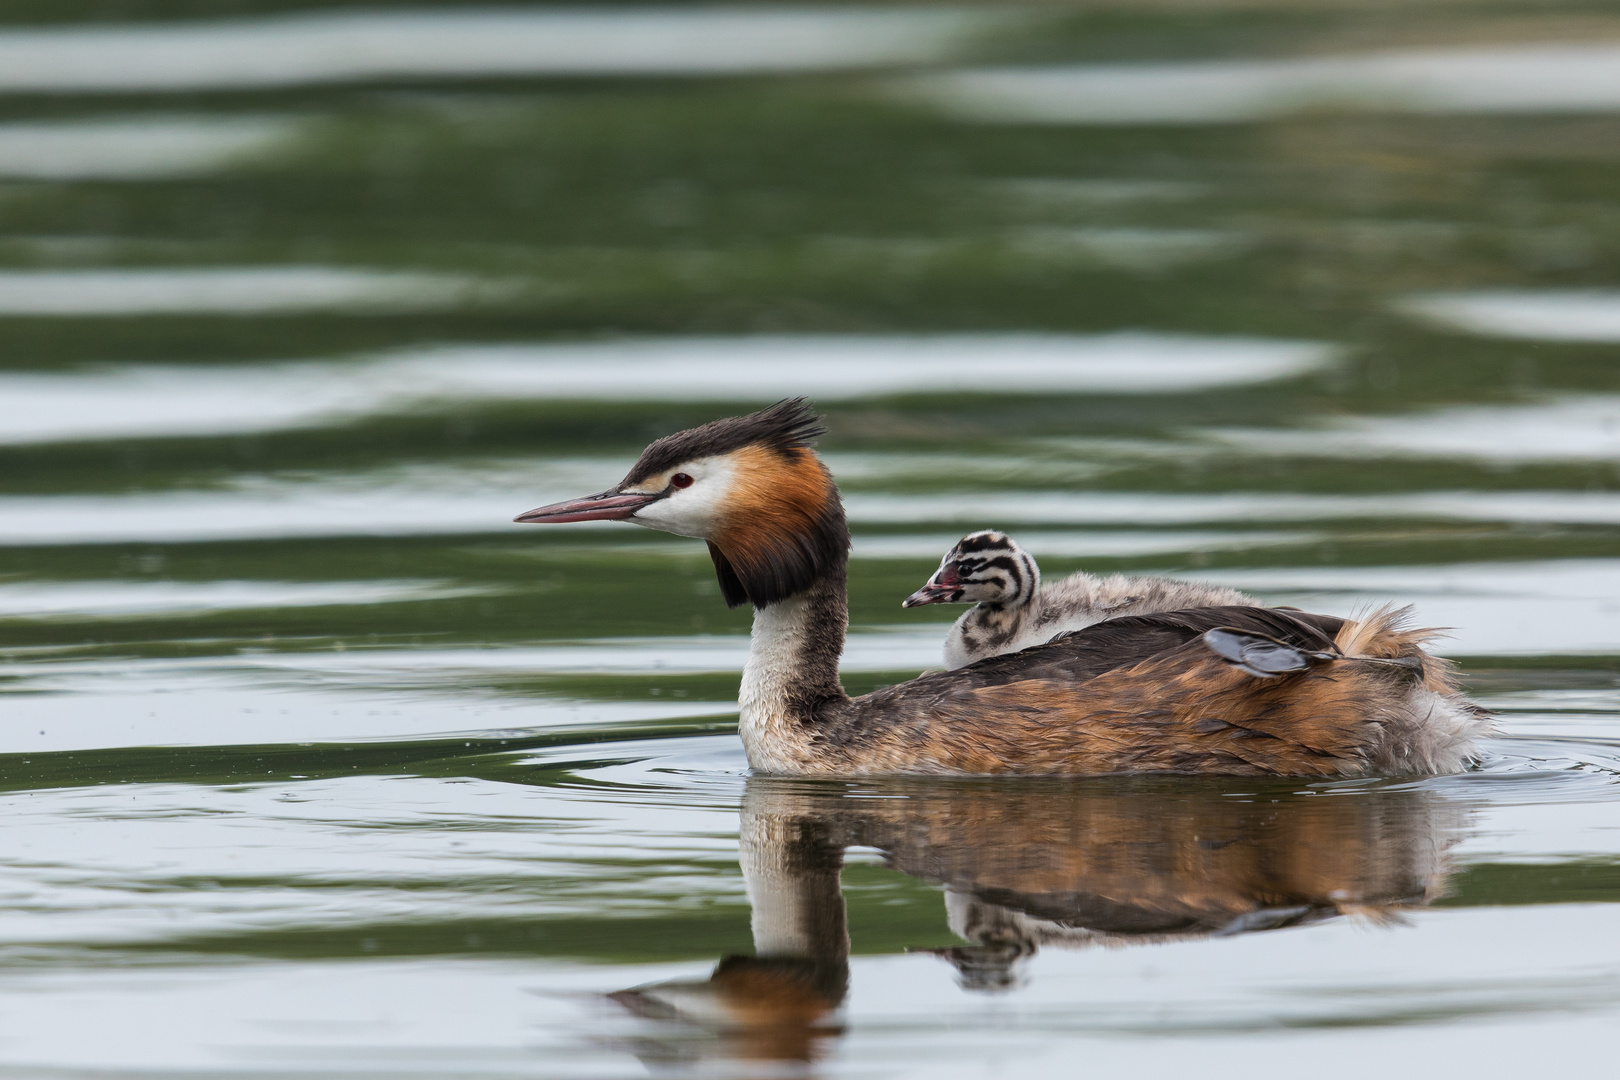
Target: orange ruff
774, 501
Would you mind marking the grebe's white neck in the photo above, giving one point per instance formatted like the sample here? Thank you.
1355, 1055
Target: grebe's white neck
792, 671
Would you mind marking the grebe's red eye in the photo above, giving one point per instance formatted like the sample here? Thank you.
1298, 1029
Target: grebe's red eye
680, 479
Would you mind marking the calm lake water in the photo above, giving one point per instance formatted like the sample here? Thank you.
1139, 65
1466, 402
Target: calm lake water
315, 765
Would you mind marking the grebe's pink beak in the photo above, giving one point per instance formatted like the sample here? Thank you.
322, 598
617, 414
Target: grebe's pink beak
608, 505
942, 588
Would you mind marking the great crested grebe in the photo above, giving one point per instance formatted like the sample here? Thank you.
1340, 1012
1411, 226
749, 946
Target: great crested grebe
1230, 690
1013, 611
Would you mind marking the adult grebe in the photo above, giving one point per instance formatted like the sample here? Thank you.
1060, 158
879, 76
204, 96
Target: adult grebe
1012, 610
1231, 690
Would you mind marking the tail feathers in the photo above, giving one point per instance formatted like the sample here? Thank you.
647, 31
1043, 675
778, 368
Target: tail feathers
1417, 721
1385, 634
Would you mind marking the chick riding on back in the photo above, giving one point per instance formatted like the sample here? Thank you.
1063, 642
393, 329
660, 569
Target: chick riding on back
1013, 610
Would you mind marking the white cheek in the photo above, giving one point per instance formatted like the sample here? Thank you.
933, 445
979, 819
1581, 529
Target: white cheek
693, 511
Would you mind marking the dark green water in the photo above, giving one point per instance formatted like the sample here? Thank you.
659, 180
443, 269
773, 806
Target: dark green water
313, 764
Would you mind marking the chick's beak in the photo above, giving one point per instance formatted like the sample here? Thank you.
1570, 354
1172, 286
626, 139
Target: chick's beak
610, 505
941, 588
928, 594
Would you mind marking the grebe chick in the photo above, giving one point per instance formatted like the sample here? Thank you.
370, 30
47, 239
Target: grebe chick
1013, 611
1245, 691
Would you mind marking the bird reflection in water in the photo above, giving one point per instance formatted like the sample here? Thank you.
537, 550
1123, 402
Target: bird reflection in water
1037, 864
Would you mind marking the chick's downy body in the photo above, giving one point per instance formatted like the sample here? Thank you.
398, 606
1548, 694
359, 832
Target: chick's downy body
1013, 609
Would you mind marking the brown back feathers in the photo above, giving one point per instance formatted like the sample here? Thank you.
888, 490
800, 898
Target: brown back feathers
1149, 694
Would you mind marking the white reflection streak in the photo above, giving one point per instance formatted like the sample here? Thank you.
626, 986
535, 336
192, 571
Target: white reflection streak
1134, 248
1569, 606
1153, 508
399, 505
1526, 79
1531, 314
913, 647
1095, 544
1585, 428
1550, 606
311, 49
66, 706
155, 400
225, 290
114, 599
136, 148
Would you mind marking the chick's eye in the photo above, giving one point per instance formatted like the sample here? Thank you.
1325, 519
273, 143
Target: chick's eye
680, 480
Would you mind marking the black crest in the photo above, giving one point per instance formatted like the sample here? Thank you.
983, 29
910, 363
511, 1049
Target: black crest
788, 425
